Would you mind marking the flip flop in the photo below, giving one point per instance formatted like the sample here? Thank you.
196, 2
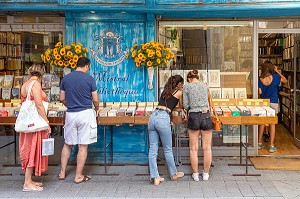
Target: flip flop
60, 177
85, 179
36, 189
39, 184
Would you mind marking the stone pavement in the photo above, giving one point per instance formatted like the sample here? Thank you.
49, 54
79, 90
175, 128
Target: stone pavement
132, 182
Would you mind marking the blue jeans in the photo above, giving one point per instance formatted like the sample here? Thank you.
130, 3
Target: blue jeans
159, 126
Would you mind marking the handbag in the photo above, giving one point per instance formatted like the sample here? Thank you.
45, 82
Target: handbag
215, 118
48, 146
29, 120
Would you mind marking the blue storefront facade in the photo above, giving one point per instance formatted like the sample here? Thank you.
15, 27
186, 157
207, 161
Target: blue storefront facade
110, 28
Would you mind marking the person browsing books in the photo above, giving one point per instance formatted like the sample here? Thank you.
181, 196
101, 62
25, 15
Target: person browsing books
79, 94
159, 127
196, 101
268, 88
30, 144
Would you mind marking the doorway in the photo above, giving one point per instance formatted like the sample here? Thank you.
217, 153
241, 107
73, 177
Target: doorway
279, 42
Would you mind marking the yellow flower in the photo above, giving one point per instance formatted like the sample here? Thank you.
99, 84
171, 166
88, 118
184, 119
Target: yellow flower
75, 58
57, 57
58, 44
149, 63
138, 63
78, 51
69, 54
135, 45
133, 54
73, 65
158, 60
60, 63
66, 63
158, 53
73, 44
62, 51
67, 47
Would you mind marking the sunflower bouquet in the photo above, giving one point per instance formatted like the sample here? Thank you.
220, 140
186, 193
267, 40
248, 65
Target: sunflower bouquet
152, 54
64, 56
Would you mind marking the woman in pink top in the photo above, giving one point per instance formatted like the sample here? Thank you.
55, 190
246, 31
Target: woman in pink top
30, 144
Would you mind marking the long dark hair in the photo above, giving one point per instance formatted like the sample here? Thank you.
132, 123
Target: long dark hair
170, 86
267, 69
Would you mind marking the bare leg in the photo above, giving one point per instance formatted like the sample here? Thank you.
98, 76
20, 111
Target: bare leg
81, 158
272, 134
65, 155
28, 183
194, 145
206, 145
260, 133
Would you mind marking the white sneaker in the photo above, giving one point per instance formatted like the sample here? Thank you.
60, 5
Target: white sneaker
205, 176
195, 176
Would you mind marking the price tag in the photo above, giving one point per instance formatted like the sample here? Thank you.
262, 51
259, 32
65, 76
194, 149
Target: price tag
248, 103
265, 103
256, 103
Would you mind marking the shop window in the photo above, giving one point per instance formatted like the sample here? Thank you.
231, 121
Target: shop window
222, 52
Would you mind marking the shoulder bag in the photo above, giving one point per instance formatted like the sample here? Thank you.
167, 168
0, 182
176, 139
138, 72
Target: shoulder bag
215, 118
29, 120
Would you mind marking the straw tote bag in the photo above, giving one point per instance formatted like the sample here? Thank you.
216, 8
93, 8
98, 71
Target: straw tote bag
29, 120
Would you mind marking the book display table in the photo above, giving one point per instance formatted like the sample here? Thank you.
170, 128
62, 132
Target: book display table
245, 120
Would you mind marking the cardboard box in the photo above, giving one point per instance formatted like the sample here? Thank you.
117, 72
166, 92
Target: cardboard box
235, 111
121, 112
130, 111
112, 113
244, 111
104, 112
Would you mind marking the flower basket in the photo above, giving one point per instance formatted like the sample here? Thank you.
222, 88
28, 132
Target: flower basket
151, 55
64, 56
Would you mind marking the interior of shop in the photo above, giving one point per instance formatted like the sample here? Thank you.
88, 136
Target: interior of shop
227, 47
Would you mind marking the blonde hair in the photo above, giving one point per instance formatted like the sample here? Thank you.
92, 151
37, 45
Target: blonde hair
36, 70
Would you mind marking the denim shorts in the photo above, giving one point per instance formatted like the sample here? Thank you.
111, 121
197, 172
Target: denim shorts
200, 121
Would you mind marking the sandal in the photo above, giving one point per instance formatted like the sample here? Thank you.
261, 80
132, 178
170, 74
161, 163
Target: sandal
156, 181
177, 175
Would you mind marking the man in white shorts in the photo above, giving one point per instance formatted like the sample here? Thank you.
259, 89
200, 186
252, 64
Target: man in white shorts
79, 94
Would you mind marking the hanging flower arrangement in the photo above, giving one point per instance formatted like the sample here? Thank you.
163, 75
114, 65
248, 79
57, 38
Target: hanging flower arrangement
64, 56
151, 54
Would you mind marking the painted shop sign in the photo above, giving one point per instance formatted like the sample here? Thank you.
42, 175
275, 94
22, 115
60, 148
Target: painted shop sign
117, 78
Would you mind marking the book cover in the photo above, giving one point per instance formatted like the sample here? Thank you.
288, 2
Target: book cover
8, 81
55, 80
6, 93
55, 94
18, 81
46, 81
15, 93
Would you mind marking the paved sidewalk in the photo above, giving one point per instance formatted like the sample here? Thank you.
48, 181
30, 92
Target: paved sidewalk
133, 183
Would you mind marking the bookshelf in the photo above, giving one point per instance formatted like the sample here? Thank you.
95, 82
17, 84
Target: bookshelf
291, 52
270, 47
10, 51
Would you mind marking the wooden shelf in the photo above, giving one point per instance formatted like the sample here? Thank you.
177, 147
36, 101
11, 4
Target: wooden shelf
54, 121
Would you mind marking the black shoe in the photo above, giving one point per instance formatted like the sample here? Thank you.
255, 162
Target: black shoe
266, 137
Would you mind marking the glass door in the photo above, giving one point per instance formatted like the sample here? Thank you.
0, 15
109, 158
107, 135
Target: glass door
296, 118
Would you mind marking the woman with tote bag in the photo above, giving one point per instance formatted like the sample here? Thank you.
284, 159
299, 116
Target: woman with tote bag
30, 143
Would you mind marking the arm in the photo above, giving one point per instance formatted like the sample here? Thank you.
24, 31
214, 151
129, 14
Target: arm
95, 100
36, 92
62, 97
282, 78
185, 102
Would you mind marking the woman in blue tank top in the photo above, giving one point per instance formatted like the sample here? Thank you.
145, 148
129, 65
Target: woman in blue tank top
268, 84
